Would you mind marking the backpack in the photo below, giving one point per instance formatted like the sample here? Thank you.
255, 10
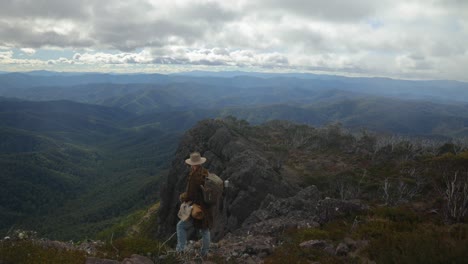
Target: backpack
212, 189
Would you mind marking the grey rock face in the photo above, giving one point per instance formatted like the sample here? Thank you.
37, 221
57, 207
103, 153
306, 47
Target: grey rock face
231, 156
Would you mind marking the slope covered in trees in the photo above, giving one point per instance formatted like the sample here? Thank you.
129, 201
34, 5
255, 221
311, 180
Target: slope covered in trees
63, 163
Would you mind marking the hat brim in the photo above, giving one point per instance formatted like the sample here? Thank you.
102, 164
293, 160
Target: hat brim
189, 162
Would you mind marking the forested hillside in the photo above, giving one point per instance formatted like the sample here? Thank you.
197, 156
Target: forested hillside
63, 163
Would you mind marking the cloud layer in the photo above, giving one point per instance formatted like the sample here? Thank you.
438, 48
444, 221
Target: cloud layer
403, 39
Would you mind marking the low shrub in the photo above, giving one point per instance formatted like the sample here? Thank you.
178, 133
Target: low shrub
30, 252
393, 235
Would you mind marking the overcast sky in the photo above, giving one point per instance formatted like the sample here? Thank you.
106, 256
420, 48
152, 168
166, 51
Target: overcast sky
411, 39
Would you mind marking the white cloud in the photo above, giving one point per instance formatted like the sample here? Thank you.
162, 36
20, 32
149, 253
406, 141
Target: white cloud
28, 51
6, 55
183, 56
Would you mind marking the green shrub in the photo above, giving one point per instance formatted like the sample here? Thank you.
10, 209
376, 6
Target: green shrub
424, 244
291, 252
30, 252
397, 214
120, 228
394, 235
125, 247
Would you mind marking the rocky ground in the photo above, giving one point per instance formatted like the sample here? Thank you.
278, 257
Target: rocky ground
263, 231
258, 237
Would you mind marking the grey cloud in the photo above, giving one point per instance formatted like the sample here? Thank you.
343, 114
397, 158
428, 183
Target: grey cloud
419, 62
416, 56
185, 26
76, 9
124, 25
309, 40
20, 34
445, 48
330, 10
170, 60
457, 4
210, 12
423, 65
275, 60
208, 62
127, 36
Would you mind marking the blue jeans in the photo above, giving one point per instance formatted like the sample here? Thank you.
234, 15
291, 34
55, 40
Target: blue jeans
182, 228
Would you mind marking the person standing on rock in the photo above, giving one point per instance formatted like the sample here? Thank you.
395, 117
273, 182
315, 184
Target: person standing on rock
194, 195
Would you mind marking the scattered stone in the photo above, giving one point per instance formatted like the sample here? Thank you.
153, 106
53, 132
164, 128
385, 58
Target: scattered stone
89, 246
313, 244
351, 243
137, 259
330, 250
342, 249
249, 260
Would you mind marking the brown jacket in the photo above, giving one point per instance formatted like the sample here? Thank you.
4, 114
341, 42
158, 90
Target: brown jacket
195, 194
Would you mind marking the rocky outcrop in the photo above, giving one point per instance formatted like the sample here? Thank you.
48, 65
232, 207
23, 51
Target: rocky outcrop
304, 210
231, 156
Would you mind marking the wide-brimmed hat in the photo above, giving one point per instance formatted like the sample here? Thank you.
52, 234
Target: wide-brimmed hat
195, 159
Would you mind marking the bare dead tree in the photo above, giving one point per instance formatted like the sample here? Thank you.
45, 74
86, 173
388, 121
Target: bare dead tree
358, 191
461, 144
403, 189
386, 191
430, 146
456, 196
407, 192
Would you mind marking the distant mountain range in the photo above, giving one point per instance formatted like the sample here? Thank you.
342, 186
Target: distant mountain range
397, 106
14, 84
